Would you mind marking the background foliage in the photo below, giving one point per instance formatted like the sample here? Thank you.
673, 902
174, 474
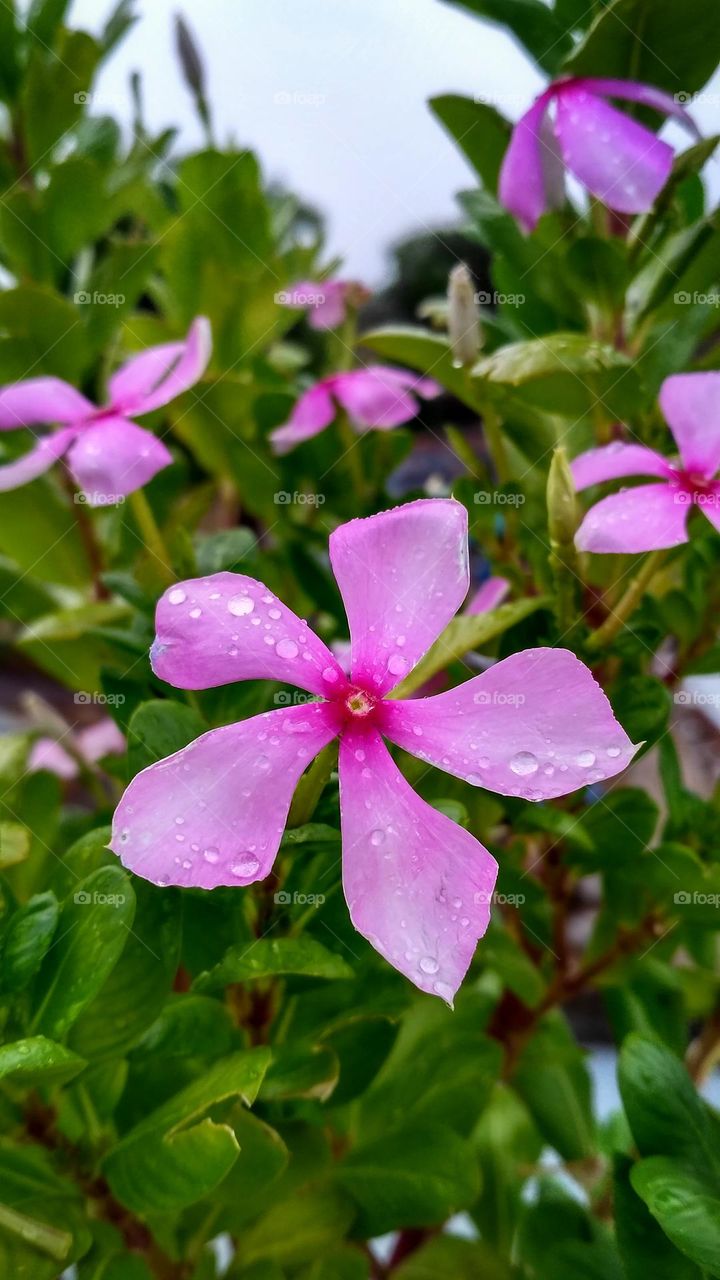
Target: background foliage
181, 1066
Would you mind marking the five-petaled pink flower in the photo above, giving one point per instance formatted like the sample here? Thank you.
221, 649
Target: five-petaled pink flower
91, 743
374, 397
325, 300
417, 885
653, 516
621, 162
108, 455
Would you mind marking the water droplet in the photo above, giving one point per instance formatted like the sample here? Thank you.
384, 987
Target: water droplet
428, 964
397, 665
586, 759
195, 613
613, 752
286, 649
240, 606
360, 754
377, 837
329, 674
524, 763
245, 865
176, 596
274, 614
262, 762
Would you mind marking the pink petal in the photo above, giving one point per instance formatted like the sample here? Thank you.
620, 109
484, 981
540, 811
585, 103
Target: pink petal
645, 93
161, 373
615, 460
418, 886
691, 405
40, 400
37, 460
113, 458
622, 163
212, 631
313, 412
324, 300
523, 184
214, 812
491, 594
535, 725
709, 504
403, 574
643, 519
103, 738
51, 756
377, 397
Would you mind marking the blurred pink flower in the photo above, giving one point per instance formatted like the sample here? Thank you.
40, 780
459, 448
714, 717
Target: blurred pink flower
325, 300
374, 397
108, 455
418, 886
620, 161
488, 596
652, 516
91, 743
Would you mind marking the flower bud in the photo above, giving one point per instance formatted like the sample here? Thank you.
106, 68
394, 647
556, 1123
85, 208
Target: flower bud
189, 56
463, 317
561, 502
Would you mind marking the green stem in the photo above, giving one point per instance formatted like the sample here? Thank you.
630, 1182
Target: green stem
495, 443
628, 602
151, 535
311, 786
49, 1240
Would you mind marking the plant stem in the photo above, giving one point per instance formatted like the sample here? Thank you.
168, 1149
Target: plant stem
311, 787
93, 551
151, 535
628, 602
495, 443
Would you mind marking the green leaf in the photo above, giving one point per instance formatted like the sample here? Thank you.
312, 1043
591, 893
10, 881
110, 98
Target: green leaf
297, 1230
43, 1227
61, 76
301, 1071
14, 843
644, 1247
658, 42
553, 1082
414, 1176
664, 1112
28, 937
428, 353
533, 24
479, 130
687, 1209
159, 728
465, 633
173, 1158
37, 1060
188, 1026
268, 957
447, 1258
93, 929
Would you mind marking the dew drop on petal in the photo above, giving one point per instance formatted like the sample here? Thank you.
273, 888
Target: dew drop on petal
245, 865
428, 964
397, 665
377, 837
586, 759
211, 855
286, 649
329, 674
613, 752
240, 606
176, 596
524, 763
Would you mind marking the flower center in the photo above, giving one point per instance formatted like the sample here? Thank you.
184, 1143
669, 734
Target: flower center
360, 704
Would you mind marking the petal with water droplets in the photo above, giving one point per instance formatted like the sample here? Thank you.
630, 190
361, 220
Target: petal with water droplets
536, 725
691, 404
646, 518
214, 813
418, 886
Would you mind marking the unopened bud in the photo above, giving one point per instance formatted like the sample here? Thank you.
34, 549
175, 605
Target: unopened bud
189, 56
463, 317
561, 501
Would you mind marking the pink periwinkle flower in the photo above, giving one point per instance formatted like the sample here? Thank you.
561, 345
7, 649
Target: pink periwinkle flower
108, 455
91, 743
326, 301
489, 595
417, 885
376, 397
620, 161
652, 516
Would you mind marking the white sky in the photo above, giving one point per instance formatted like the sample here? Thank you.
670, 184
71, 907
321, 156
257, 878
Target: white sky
356, 137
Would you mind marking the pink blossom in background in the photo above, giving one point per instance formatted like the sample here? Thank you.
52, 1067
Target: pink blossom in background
488, 596
326, 301
91, 743
107, 454
374, 397
652, 516
620, 161
417, 885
